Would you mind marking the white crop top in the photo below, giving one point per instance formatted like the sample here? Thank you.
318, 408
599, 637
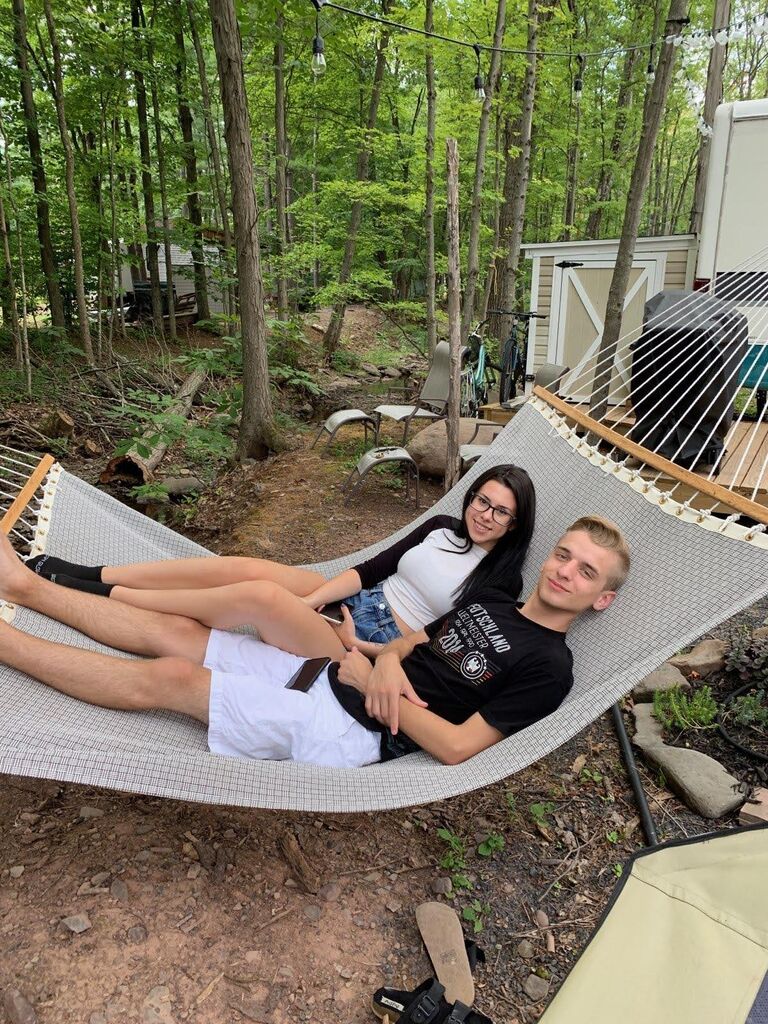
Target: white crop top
427, 575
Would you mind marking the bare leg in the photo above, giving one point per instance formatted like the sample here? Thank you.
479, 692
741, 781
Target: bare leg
281, 618
201, 573
109, 622
173, 683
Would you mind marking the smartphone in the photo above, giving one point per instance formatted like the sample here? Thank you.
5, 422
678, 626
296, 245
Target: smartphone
332, 612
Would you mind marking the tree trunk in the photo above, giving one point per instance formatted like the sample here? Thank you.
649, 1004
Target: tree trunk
281, 164
624, 102
39, 183
473, 256
10, 305
25, 364
256, 425
190, 172
713, 95
160, 149
454, 309
213, 147
429, 186
654, 112
333, 331
69, 170
516, 179
135, 249
146, 170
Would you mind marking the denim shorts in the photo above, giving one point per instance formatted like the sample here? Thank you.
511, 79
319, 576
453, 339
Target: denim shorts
372, 616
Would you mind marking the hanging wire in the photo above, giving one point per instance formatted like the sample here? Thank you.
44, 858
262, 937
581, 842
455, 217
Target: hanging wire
758, 23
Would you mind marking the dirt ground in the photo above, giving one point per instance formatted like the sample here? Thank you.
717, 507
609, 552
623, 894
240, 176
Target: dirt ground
118, 908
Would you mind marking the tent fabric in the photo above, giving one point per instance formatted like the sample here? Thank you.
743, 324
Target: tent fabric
684, 940
685, 579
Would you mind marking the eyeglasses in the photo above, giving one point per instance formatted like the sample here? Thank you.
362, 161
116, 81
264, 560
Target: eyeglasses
501, 515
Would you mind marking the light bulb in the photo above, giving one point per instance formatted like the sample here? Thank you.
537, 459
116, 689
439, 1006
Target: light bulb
318, 56
650, 74
721, 37
677, 40
578, 89
479, 89
710, 42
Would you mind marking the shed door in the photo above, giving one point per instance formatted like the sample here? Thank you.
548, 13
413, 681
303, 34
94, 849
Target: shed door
583, 293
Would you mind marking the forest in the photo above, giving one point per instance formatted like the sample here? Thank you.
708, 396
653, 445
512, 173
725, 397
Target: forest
117, 126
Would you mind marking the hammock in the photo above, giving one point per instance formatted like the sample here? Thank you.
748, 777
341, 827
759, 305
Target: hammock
692, 569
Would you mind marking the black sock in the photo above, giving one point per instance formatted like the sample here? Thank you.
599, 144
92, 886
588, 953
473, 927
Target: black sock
47, 565
88, 586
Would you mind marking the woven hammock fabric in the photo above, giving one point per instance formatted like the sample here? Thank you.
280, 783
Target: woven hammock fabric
685, 579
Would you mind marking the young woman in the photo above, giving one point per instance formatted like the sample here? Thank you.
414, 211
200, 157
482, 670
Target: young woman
392, 594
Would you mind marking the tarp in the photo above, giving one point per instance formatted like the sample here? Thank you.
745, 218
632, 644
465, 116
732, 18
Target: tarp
683, 941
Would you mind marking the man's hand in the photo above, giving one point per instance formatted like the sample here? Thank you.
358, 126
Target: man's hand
386, 685
355, 670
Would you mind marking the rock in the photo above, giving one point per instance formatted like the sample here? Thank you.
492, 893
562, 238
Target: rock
392, 372
701, 782
312, 912
88, 813
536, 988
429, 446
156, 1008
77, 923
119, 890
755, 810
330, 892
761, 633
370, 369
18, 1008
100, 878
705, 658
664, 678
137, 934
442, 886
16, 871
526, 949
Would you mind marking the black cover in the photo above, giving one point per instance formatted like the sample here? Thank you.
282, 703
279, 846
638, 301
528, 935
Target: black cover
685, 374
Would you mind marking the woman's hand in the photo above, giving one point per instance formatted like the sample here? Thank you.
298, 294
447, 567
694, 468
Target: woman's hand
355, 670
386, 685
345, 631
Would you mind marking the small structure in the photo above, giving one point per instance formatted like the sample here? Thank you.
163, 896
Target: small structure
569, 284
183, 274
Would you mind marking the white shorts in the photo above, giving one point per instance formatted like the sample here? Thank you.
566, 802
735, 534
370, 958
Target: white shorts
252, 715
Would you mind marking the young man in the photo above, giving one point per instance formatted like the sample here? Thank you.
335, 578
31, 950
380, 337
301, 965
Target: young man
483, 671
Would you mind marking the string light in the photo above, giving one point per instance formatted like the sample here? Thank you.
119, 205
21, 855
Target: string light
695, 39
318, 46
479, 82
578, 82
650, 71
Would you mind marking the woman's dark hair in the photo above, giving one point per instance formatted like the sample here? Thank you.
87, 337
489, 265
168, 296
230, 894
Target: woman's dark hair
501, 568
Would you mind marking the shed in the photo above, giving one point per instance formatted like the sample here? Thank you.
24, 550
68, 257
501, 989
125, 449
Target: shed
570, 283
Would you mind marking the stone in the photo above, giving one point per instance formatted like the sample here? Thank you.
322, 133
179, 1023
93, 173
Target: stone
525, 949
77, 923
700, 781
761, 633
16, 871
755, 810
428, 448
393, 372
88, 813
370, 369
119, 890
330, 892
664, 678
312, 912
156, 1008
442, 886
705, 658
137, 933
536, 988
18, 1008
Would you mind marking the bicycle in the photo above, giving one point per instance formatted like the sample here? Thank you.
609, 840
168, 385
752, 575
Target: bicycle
514, 356
477, 375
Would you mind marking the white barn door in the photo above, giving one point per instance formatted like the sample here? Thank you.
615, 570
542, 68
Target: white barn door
579, 296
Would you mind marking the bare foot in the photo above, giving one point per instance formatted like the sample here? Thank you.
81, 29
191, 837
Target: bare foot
15, 578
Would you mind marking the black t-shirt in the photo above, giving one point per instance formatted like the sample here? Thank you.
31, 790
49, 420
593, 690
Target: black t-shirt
485, 657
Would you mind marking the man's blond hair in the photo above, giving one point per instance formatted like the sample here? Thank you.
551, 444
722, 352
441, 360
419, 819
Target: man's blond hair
607, 535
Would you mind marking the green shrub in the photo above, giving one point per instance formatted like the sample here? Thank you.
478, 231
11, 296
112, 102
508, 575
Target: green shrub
751, 709
747, 658
679, 712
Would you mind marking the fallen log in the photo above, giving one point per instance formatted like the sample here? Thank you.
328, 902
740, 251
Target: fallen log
134, 467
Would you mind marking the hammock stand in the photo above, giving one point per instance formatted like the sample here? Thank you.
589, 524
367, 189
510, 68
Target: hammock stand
692, 568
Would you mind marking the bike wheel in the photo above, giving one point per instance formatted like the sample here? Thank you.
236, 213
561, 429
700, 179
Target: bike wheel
511, 368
